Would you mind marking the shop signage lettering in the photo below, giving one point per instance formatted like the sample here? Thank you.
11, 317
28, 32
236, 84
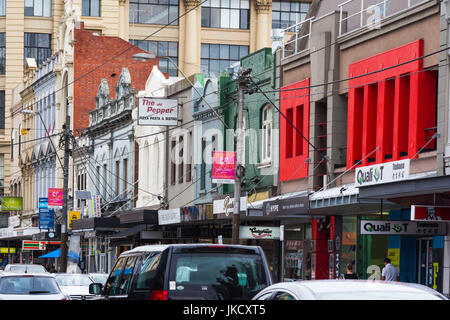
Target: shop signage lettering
378, 227
285, 207
169, 216
157, 112
253, 232
227, 205
382, 173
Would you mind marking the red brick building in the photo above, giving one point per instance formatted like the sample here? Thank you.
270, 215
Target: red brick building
97, 57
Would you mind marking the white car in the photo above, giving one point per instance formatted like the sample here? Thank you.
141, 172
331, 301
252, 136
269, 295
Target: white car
25, 268
30, 286
347, 290
75, 285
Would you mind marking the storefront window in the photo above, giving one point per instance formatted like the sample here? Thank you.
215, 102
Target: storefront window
348, 253
297, 260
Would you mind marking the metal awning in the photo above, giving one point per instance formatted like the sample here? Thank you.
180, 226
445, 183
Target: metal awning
99, 223
130, 231
433, 190
138, 216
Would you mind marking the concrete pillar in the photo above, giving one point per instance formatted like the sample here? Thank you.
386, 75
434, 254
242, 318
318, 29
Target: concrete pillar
192, 40
263, 23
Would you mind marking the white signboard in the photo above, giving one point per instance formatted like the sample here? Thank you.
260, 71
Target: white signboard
157, 112
169, 216
382, 173
252, 232
380, 227
226, 205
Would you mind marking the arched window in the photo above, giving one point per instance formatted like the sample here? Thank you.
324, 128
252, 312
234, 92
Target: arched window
266, 134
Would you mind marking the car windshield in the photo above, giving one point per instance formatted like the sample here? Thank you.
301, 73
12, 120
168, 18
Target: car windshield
99, 278
73, 280
231, 276
28, 285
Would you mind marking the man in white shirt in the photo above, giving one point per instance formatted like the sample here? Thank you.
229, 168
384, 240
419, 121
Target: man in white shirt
389, 273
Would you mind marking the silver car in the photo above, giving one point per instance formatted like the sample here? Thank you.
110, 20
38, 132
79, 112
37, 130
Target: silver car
29, 286
348, 290
25, 268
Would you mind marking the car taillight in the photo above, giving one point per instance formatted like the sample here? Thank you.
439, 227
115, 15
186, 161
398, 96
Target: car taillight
159, 295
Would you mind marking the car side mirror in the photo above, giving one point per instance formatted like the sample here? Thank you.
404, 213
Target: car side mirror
95, 288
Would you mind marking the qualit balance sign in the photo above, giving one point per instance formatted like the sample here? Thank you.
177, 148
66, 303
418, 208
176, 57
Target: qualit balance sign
382, 173
379, 227
157, 112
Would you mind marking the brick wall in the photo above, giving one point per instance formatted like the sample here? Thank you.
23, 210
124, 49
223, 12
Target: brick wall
97, 57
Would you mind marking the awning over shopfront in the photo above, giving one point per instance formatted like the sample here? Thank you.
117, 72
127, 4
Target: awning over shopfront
138, 216
433, 190
130, 231
345, 200
57, 254
99, 224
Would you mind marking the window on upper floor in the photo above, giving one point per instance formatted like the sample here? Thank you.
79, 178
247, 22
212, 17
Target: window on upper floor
154, 11
38, 8
125, 177
2, 8
288, 13
266, 134
227, 14
217, 57
2, 174
90, 8
2, 52
117, 174
37, 46
161, 49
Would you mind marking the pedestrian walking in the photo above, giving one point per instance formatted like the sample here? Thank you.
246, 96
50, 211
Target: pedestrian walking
389, 272
53, 270
350, 274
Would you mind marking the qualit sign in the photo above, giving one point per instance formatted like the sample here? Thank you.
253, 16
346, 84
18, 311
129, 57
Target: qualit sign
379, 227
382, 173
157, 112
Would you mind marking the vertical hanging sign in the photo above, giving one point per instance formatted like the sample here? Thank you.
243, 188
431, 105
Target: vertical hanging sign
223, 170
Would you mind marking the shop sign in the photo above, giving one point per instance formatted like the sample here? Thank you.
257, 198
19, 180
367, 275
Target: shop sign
430, 213
293, 245
46, 218
169, 216
11, 204
157, 112
286, 207
382, 173
5, 250
34, 245
259, 233
96, 206
223, 168
227, 205
55, 197
192, 214
379, 227
72, 215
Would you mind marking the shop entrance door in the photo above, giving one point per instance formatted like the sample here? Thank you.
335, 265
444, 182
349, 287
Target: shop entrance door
424, 260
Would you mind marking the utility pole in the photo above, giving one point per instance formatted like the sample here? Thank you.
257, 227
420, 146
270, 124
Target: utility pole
242, 81
65, 211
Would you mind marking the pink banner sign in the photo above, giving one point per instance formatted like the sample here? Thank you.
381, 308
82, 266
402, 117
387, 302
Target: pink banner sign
223, 167
55, 197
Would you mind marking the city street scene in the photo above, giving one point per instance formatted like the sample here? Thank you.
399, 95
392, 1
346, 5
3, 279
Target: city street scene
246, 150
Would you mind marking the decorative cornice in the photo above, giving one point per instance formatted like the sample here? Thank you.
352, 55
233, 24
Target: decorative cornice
191, 4
263, 6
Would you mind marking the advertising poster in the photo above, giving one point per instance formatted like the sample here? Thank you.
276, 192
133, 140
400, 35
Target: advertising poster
430, 213
157, 112
11, 204
72, 215
55, 197
224, 163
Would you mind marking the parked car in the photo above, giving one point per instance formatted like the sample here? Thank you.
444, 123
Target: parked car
25, 268
187, 271
99, 277
30, 286
75, 285
348, 290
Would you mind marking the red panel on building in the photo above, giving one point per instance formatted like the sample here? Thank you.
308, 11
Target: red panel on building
390, 109
294, 149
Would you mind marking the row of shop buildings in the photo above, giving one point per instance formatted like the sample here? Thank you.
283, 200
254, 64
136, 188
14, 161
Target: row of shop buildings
367, 178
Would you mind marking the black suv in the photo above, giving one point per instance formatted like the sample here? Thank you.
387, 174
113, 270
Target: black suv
187, 271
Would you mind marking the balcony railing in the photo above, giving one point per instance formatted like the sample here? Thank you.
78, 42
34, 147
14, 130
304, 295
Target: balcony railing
296, 38
358, 14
